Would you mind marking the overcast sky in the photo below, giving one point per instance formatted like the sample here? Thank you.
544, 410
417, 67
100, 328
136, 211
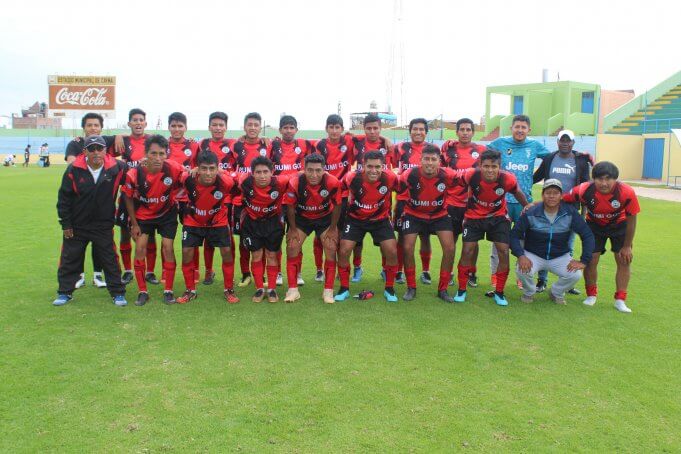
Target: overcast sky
302, 57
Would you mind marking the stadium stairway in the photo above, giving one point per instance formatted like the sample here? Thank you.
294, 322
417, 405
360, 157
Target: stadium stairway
661, 115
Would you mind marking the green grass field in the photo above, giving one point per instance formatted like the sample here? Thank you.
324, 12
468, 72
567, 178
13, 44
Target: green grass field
353, 376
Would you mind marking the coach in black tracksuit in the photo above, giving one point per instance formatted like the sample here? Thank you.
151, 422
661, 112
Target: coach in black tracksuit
86, 208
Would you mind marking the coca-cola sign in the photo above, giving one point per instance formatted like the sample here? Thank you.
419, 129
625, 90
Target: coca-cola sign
82, 97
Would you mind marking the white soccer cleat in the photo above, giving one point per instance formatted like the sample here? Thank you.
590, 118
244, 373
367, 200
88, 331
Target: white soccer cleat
292, 295
327, 296
621, 306
98, 280
81, 282
280, 279
300, 279
590, 300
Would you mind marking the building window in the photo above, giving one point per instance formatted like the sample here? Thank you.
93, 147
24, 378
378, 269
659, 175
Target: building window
517, 105
588, 102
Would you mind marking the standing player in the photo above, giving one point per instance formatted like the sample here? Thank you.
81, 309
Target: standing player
149, 194
27, 155
369, 199
313, 204
262, 226
408, 155
206, 221
459, 155
425, 213
487, 216
611, 210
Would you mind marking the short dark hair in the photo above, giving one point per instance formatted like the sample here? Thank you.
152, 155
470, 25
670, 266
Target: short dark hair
524, 118
92, 116
605, 169
465, 121
371, 118
177, 117
261, 161
490, 155
158, 140
206, 157
136, 111
418, 120
252, 116
217, 115
288, 120
334, 119
430, 149
374, 155
315, 158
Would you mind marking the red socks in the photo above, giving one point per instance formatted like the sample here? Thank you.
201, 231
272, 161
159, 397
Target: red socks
140, 271
188, 273
344, 273
621, 295
463, 276
151, 257
126, 249
390, 271
501, 280
329, 273
357, 260
400, 257
318, 250
169, 274
258, 274
410, 274
228, 275
272, 271
444, 280
592, 290
292, 270
425, 260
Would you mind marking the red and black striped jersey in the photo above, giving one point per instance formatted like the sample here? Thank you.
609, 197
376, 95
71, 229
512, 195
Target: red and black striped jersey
369, 201
605, 209
289, 157
313, 201
207, 205
457, 157
486, 200
260, 203
426, 196
153, 193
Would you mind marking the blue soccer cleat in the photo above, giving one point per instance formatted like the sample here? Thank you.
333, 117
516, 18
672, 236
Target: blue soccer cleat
460, 296
500, 299
62, 299
119, 300
390, 296
342, 295
357, 274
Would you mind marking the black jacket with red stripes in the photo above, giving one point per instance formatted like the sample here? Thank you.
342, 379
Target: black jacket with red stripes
84, 204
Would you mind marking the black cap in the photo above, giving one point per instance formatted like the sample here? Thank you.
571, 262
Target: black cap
95, 140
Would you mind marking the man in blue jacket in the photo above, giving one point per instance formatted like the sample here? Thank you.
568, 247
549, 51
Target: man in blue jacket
545, 230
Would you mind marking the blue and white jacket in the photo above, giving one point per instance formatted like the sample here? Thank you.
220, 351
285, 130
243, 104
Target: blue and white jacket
550, 240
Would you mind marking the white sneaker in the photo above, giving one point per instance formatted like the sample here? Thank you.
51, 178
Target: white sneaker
327, 296
590, 300
98, 280
300, 279
621, 306
292, 295
280, 279
81, 282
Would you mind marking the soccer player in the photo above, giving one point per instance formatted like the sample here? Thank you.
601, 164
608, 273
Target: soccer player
262, 226
27, 155
458, 155
86, 209
222, 148
149, 195
408, 155
206, 221
425, 213
611, 211
313, 204
369, 199
487, 216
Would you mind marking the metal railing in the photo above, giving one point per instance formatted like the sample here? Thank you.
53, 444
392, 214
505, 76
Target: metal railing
655, 125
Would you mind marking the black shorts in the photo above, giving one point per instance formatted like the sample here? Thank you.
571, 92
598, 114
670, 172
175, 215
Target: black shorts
343, 214
457, 214
615, 233
265, 233
313, 225
354, 230
214, 236
166, 225
398, 214
122, 218
412, 224
497, 229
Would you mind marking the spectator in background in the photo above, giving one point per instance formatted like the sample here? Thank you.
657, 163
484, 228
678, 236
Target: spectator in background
9, 161
27, 155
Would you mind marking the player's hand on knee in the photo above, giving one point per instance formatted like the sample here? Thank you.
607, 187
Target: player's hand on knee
575, 265
626, 254
68, 233
524, 264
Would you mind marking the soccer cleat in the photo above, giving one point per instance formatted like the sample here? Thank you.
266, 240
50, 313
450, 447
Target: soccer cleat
258, 296
399, 278
300, 280
556, 299
425, 278
61, 299
151, 278
210, 278
230, 296
589, 300
383, 275
574, 291
127, 277
272, 296
472, 280
245, 280
460, 296
98, 280
142, 299
280, 279
500, 299
292, 295
186, 297
81, 282
621, 306
541, 285
343, 294
357, 274
319, 277
444, 296
410, 294
327, 296
119, 300
390, 295
168, 297
527, 299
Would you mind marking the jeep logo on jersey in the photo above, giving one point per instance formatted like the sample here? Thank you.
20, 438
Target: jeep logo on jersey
225, 149
324, 193
263, 152
383, 190
615, 204
217, 195
167, 181
298, 150
475, 155
187, 152
343, 148
441, 187
514, 166
499, 191
274, 195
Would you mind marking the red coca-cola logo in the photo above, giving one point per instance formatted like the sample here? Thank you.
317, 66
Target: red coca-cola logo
64, 97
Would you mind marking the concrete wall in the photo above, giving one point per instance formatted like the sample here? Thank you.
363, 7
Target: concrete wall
612, 100
625, 151
672, 156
